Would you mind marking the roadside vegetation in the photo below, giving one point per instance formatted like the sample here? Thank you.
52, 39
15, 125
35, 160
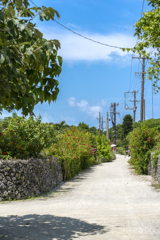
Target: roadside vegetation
77, 148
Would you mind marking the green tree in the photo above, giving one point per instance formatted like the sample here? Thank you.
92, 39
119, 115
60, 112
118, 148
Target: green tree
148, 32
127, 126
83, 126
29, 63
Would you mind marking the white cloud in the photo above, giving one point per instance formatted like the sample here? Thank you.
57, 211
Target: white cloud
72, 102
75, 48
94, 111
84, 106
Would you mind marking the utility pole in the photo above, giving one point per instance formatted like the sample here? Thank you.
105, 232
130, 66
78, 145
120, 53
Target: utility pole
102, 125
142, 85
134, 108
107, 127
144, 110
113, 118
99, 123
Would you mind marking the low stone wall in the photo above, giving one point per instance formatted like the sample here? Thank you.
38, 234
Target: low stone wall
20, 179
154, 172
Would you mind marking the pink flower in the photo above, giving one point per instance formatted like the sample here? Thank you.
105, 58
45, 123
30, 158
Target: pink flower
93, 153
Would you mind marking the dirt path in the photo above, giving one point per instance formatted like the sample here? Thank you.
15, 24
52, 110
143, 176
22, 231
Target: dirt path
105, 202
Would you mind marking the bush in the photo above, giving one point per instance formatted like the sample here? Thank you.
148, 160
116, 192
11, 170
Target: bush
141, 141
113, 156
25, 138
103, 148
76, 150
120, 150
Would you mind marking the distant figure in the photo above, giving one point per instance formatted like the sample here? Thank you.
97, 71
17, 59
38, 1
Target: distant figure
129, 153
126, 153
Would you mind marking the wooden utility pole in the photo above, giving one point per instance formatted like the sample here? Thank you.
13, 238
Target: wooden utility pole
102, 125
99, 123
142, 86
107, 127
143, 109
113, 117
134, 107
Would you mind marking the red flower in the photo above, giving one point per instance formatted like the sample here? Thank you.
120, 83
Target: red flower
77, 138
4, 153
68, 143
73, 138
31, 145
145, 132
134, 146
90, 145
70, 146
69, 135
84, 144
82, 138
148, 140
20, 148
2, 133
13, 143
77, 145
75, 157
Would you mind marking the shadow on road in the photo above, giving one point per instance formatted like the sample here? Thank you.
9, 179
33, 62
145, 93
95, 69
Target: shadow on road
46, 227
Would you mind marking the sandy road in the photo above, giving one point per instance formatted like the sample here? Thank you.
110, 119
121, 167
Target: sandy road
104, 202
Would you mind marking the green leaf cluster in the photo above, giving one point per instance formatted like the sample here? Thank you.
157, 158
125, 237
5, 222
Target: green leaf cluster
29, 64
25, 138
76, 150
104, 148
147, 31
141, 141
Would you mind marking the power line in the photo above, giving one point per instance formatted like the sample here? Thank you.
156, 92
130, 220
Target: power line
142, 8
92, 40
104, 44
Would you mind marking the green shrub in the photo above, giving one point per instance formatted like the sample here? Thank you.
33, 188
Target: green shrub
103, 148
76, 150
113, 156
141, 141
120, 150
25, 138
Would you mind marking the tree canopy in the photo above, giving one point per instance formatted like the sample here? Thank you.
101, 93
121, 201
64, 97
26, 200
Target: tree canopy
127, 125
148, 32
29, 63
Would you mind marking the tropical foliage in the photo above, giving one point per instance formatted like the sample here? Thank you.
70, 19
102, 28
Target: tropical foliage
141, 142
24, 138
148, 33
29, 63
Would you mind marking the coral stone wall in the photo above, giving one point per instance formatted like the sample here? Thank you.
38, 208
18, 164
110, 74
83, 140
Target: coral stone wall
20, 179
154, 172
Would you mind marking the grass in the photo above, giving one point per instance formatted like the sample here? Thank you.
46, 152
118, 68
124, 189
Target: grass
156, 185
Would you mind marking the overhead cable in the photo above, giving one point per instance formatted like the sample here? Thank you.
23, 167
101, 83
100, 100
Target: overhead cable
92, 40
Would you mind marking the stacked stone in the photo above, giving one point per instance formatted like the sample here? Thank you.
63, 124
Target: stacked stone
155, 172
20, 179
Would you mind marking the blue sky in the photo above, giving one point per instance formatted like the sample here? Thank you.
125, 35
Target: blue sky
94, 76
